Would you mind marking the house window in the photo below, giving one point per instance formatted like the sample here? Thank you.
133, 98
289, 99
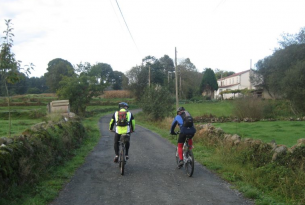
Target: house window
233, 81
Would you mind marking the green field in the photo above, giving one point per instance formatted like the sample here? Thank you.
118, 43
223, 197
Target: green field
219, 108
283, 132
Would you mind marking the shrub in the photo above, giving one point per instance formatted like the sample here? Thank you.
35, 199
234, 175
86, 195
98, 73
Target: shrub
157, 103
248, 107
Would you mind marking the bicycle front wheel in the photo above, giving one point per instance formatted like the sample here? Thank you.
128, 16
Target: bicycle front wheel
189, 165
122, 161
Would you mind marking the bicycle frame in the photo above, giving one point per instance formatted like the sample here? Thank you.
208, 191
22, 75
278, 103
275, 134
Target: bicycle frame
188, 157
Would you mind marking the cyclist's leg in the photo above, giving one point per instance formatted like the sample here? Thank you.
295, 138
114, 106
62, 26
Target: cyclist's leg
181, 140
191, 142
127, 144
116, 143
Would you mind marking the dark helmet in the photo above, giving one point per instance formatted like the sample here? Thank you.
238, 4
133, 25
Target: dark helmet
180, 109
123, 105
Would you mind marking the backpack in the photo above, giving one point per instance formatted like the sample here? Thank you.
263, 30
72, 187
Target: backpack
187, 119
122, 118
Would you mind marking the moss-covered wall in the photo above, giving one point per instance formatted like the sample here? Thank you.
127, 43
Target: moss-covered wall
25, 158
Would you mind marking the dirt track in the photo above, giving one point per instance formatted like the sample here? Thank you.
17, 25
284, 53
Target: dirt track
151, 176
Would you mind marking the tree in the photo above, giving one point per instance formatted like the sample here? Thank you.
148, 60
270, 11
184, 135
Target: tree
70, 88
188, 65
222, 74
138, 80
157, 103
272, 70
36, 85
57, 69
167, 64
117, 80
292, 39
295, 86
189, 79
208, 83
10, 69
103, 71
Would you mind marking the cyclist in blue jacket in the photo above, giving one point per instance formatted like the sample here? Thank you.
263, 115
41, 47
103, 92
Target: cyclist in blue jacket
184, 131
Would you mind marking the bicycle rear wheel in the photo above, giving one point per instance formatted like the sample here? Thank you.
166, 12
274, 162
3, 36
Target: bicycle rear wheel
122, 161
189, 165
177, 156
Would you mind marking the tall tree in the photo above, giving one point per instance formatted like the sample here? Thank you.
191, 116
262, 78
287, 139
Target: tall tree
57, 69
273, 72
292, 39
10, 69
117, 80
103, 71
209, 83
167, 64
138, 80
294, 89
189, 79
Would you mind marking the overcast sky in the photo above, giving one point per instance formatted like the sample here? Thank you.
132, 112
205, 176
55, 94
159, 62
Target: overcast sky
223, 34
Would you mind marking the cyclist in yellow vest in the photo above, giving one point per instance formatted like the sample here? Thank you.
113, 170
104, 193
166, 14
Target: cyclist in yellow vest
125, 124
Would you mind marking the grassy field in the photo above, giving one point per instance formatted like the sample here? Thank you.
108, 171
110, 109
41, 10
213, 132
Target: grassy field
282, 132
18, 126
219, 108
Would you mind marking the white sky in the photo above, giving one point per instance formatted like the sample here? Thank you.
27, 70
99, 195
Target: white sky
223, 34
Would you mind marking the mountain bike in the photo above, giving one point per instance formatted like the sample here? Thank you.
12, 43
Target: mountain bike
188, 157
122, 159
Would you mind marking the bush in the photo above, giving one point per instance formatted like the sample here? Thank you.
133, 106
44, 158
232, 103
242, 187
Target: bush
157, 103
248, 107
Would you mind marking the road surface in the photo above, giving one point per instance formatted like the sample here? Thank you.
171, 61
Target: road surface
151, 176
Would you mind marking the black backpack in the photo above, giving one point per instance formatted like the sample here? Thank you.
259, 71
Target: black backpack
122, 118
187, 119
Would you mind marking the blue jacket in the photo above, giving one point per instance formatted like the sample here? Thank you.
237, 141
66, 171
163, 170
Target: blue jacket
183, 130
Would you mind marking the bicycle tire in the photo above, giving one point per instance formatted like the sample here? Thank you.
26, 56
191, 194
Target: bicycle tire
122, 161
189, 165
177, 156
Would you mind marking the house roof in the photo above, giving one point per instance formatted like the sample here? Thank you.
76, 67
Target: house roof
236, 74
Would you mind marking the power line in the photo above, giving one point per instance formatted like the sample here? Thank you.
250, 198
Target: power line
116, 15
127, 26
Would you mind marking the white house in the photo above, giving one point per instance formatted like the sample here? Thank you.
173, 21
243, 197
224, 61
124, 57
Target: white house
237, 81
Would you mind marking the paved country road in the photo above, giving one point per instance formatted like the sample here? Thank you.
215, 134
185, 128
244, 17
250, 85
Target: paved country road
151, 176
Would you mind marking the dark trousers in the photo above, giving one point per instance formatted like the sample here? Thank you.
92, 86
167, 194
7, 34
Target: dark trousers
116, 144
182, 137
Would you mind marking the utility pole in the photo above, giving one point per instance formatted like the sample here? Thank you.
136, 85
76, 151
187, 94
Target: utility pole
176, 76
180, 87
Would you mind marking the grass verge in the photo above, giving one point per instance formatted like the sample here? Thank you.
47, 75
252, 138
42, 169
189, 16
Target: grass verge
271, 184
49, 186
